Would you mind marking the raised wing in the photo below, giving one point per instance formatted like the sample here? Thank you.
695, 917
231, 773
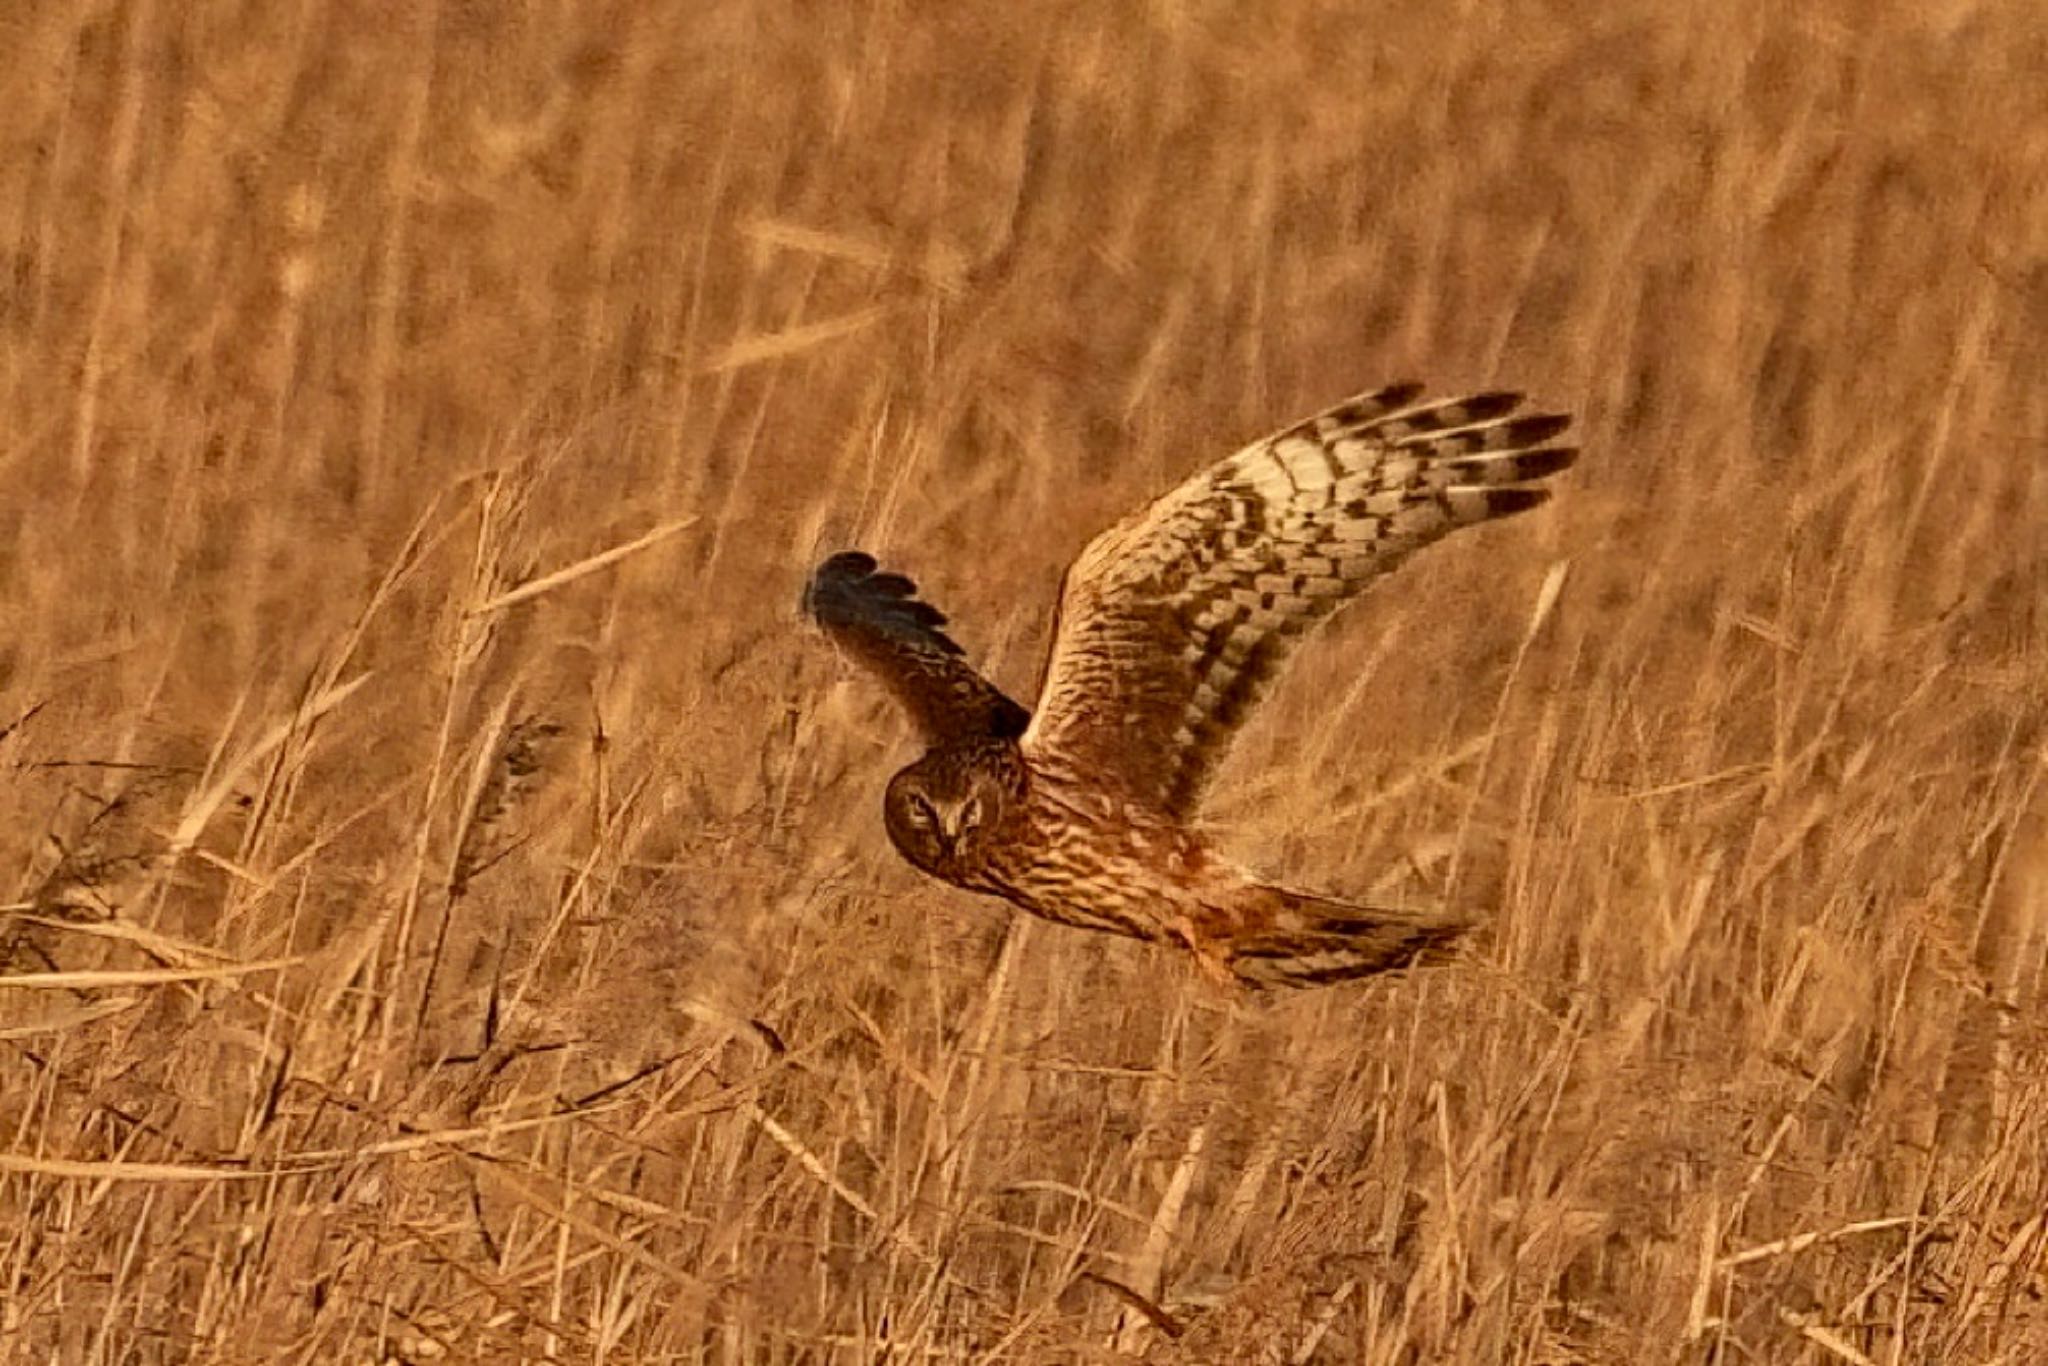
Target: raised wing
1172, 621
878, 618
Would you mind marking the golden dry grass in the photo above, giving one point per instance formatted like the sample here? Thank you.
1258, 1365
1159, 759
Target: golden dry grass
552, 994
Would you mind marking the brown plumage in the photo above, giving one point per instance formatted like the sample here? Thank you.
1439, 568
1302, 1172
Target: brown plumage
1170, 625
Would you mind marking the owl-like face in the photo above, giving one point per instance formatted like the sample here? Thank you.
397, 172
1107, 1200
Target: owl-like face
941, 811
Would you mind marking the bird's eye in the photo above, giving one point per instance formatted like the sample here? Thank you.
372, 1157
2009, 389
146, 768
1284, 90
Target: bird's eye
921, 812
970, 813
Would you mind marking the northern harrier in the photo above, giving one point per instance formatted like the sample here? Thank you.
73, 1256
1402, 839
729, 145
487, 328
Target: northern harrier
1169, 626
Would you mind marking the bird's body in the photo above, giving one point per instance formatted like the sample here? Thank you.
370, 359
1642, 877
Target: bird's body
1169, 625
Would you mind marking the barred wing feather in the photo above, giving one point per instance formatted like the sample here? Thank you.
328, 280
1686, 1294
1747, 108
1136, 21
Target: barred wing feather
1172, 622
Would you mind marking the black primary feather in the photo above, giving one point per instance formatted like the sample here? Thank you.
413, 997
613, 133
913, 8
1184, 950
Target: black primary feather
850, 589
879, 616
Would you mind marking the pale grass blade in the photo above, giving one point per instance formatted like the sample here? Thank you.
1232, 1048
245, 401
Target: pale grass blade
205, 803
547, 583
114, 1170
793, 341
85, 979
57, 1021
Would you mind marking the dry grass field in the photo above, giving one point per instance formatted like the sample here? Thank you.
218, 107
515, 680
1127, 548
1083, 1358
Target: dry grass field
451, 919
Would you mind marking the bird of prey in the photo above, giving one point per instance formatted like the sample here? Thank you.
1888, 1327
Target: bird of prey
1169, 626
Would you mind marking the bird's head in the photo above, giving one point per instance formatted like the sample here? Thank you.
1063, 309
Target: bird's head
942, 810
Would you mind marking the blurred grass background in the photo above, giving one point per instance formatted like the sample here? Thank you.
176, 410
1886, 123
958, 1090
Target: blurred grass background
600, 1022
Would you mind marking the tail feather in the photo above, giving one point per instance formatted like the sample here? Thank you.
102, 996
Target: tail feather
1291, 939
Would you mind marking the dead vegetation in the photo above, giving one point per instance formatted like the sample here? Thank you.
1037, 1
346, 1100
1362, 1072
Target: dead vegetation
437, 938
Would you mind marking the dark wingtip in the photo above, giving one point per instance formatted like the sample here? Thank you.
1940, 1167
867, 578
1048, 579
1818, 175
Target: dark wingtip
848, 563
851, 589
1484, 407
1542, 462
1538, 428
1508, 502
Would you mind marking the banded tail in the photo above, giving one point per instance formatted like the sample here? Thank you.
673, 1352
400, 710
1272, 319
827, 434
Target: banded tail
1291, 939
